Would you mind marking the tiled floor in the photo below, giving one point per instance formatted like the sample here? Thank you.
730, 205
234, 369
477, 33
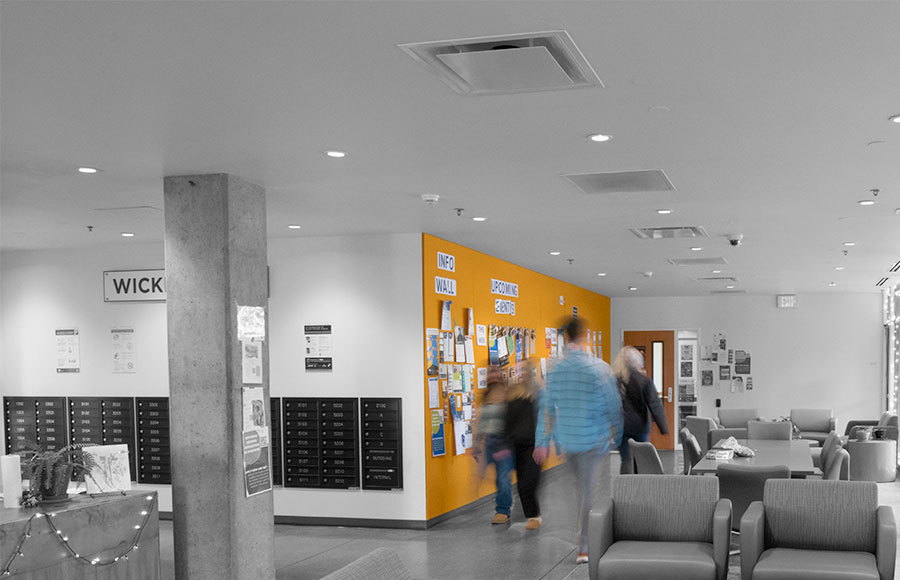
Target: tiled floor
465, 547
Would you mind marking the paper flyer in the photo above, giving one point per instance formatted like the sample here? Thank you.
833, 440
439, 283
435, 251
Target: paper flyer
502, 352
449, 347
437, 433
446, 320
460, 345
470, 350
462, 432
480, 335
123, 350
471, 317
251, 321
68, 358
482, 378
434, 390
251, 363
433, 352
255, 430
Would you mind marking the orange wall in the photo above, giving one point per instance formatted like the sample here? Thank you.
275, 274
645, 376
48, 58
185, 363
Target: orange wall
452, 480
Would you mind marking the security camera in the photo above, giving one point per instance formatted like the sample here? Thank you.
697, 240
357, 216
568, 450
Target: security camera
735, 239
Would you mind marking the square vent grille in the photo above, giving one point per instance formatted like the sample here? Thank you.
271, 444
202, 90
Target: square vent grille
642, 181
671, 232
697, 261
513, 63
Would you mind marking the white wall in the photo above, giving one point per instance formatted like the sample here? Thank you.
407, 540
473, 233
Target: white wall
826, 353
368, 287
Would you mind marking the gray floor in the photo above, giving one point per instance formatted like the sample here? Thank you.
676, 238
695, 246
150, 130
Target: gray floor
466, 546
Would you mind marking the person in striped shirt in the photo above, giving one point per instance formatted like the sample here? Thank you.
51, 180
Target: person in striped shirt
582, 412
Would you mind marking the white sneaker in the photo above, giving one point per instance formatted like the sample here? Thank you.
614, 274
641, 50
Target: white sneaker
581, 559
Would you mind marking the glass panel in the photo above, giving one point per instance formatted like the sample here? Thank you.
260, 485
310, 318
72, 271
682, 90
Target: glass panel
658, 366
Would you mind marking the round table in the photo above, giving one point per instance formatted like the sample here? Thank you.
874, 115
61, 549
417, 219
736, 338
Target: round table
873, 460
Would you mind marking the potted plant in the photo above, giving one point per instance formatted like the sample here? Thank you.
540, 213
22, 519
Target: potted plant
49, 471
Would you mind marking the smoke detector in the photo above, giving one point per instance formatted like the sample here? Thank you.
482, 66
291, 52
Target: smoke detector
430, 198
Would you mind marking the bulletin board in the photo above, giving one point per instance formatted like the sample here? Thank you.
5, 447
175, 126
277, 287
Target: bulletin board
484, 291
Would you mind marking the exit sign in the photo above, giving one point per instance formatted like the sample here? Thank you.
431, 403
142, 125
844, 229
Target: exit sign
786, 301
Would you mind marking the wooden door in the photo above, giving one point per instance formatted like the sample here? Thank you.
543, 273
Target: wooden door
658, 347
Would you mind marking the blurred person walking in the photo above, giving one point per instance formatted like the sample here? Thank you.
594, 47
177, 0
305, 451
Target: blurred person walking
491, 444
640, 402
583, 413
521, 423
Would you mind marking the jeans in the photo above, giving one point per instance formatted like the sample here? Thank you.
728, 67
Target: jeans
504, 466
584, 466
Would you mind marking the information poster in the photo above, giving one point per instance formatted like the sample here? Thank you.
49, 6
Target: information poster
251, 323
123, 350
434, 390
437, 433
318, 346
433, 351
481, 335
255, 431
741, 362
251, 363
68, 358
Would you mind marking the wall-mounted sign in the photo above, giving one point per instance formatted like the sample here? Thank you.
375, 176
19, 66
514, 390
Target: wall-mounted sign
504, 307
134, 285
318, 346
786, 301
445, 286
504, 288
446, 262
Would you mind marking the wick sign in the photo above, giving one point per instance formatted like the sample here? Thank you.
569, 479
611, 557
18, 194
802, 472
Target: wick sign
134, 285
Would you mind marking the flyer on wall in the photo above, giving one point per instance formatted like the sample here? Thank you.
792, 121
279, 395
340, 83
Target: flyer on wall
68, 359
123, 349
255, 431
437, 433
251, 363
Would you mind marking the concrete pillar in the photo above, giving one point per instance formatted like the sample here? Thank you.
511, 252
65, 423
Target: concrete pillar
215, 261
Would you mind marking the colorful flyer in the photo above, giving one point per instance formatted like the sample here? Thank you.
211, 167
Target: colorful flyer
437, 433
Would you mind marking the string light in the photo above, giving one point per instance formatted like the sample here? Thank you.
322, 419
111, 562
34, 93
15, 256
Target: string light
64, 540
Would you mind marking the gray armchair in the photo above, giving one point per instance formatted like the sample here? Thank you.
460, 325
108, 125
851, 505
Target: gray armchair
778, 430
660, 526
811, 529
887, 422
700, 427
691, 449
813, 424
733, 423
646, 459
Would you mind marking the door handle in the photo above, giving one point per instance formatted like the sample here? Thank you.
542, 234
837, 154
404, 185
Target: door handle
669, 394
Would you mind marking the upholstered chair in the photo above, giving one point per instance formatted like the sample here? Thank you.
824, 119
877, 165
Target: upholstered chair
887, 423
700, 427
744, 484
691, 449
813, 424
660, 526
779, 430
646, 459
807, 529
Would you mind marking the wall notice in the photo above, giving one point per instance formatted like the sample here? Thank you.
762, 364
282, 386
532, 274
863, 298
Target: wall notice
255, 429
318, 346
123, 350
68, 358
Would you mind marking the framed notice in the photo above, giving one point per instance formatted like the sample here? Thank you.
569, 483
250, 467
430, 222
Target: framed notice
317, 346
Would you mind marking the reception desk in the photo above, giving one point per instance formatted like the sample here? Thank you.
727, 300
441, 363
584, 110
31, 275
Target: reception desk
113, 537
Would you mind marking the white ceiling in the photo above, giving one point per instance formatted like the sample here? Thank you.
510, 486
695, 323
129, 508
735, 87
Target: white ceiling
760, 113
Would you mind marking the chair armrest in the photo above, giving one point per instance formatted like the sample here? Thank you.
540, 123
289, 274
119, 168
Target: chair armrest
721, 530
858, 423
600, 535
752, 538
885, 542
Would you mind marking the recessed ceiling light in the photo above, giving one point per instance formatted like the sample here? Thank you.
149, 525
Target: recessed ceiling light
336, 154
832, 284
554, 253
294, 227
601, 273
87, 170
632, 288
838, 268
849, 243
894, 119
663, 211
127, 234
729, 287
717, 271
599, 137
696, 249
866, 202
479, 219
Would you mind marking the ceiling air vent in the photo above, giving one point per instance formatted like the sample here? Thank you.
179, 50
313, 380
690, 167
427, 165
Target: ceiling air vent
727, 291
718, 279
642, 181
512, 63
697, 261
667, 233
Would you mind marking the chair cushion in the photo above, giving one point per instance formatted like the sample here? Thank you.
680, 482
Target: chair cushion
664, 508
737, 417
819, 436
790, 564
655, 560
795, 518
812, 419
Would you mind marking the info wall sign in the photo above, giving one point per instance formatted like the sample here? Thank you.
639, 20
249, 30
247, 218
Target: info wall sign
134, 286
